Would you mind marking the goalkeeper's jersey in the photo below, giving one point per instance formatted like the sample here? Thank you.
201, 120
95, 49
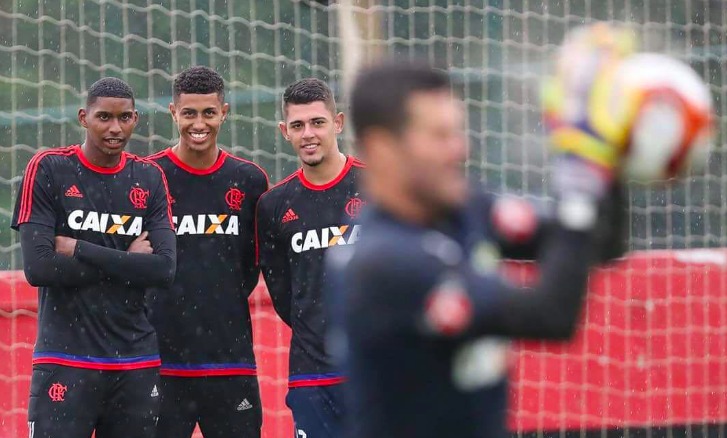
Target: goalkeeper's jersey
419, 313
297, 222
411, 371
203, 321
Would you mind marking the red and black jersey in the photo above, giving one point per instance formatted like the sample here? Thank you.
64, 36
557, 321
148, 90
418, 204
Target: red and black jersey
100, 323
203, 321
296, 222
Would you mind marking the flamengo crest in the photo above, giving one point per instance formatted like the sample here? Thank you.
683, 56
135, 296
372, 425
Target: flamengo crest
138, 197
57, 392
234, 198
354, 206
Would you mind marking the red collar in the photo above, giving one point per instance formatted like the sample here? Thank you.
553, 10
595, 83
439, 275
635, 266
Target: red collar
212, 169
105, 170
309, 185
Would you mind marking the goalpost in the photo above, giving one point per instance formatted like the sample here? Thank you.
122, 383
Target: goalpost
653, 353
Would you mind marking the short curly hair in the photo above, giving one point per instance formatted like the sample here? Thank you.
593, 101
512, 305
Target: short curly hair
198, 80
109, 87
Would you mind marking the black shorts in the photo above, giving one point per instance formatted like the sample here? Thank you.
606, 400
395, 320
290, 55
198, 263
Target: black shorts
73, 402
224, 406
317, 411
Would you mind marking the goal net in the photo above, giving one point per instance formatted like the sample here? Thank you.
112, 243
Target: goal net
652, 355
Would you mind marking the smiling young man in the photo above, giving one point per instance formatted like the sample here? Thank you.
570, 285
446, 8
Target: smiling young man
203, 321
96, 231
314, 208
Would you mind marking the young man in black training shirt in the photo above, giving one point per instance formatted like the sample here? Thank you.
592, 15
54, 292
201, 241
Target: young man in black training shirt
311, 210
203, 322
96, 231
420, 309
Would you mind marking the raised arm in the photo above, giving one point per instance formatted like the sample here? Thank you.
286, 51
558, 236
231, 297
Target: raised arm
521, 227
429, 289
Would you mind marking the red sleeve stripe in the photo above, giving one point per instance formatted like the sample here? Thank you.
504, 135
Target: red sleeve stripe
166, 189
26, 202
267, 185
156, 155
148, 160
267, 180
285, 180
255, 230
257, 207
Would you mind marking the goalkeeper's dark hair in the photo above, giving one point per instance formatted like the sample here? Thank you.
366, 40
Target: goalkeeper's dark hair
109, 87
309, 90
198, 80
381, 93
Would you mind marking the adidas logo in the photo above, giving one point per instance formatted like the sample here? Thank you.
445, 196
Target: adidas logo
73, 192
154, 392
289, 216
244, 405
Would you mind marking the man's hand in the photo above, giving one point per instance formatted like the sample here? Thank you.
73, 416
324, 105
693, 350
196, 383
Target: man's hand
141, 244
65, 245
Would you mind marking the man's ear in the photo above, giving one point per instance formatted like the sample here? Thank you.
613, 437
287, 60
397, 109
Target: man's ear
284, 130
82, 114
173, 111
338, 122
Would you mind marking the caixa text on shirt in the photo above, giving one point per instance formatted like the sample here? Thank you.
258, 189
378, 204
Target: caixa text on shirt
207, 224
127, 225
323, 238
108, 223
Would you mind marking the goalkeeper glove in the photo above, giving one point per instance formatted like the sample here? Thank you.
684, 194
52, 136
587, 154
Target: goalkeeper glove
585, 127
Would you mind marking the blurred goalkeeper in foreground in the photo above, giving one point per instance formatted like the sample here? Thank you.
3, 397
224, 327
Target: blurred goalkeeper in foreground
422, 312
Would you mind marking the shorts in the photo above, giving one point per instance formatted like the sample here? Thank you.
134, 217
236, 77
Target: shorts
68, 402
224, 406
317, 410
